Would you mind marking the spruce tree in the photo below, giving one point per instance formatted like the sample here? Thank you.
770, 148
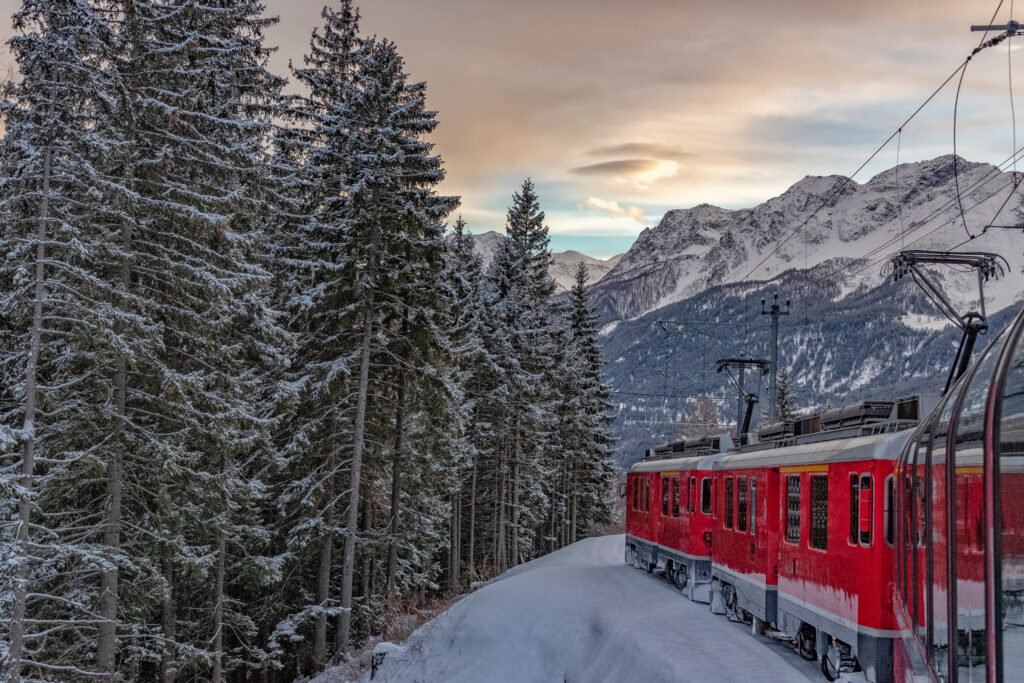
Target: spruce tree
55, 329
195, 114
593, 471
369, 255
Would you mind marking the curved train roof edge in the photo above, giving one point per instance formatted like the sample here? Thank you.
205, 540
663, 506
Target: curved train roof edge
873, 447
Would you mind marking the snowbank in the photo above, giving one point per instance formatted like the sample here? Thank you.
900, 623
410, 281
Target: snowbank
581, 614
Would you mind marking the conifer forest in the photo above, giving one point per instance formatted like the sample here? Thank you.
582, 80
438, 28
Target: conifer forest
258, 392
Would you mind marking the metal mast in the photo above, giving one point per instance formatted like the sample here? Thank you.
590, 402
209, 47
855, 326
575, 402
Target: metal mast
774, 311
750, 399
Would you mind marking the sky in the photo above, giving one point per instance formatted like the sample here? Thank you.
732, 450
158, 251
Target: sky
622, 110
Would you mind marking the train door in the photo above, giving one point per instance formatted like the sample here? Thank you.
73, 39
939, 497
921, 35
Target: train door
1008, 484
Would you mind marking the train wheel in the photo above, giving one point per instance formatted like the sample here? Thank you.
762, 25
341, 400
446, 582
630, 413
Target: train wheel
830, 668
681, 578
805, 643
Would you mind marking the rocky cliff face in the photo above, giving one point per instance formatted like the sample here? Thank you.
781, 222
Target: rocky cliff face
693, 249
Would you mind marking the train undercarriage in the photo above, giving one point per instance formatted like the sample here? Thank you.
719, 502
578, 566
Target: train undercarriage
814, 639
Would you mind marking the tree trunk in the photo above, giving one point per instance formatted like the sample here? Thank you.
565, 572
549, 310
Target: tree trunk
106, 647
516, 470
472, 524
216, 676
499, 518
28, 463
169, 624
572, 514
396, 489
348, 559
323, 583
456, 551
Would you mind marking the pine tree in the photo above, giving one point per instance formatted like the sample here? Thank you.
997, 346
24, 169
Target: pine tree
182, 511
593, 471
55, 322
520, 298
785, 401
702, 419
369, 259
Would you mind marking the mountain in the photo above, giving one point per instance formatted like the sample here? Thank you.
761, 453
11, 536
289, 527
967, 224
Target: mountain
677, 300
693, 249
563, 264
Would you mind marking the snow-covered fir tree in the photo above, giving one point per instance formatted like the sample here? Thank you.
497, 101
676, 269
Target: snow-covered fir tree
368, 263
56, 333
702, 419
592, 472
181, 510
520, 298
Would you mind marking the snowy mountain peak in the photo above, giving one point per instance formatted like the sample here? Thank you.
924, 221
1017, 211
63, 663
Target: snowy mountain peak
563, 264
913, 206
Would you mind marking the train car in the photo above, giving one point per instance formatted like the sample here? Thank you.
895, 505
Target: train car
836, 552
744, 562
959, 562
820, 571
672, 534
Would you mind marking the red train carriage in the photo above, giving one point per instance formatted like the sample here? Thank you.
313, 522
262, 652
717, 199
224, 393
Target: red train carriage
836, 551
668, 521
744, 562
959, 574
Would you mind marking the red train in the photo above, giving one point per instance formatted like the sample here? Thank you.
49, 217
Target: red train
868, 538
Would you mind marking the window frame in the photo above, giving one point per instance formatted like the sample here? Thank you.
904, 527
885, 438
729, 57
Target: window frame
815, 515
742, 503
871, 511
753, 505
889, 506
853, 538
666, 484
792, 517
706, 495
675, 496
729, 502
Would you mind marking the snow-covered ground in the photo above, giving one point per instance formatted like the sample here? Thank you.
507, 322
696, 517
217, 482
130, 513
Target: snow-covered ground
581, 614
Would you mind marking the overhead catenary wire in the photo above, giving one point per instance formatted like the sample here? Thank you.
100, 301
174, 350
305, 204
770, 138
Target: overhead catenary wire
848, 179
840, 272
839, 186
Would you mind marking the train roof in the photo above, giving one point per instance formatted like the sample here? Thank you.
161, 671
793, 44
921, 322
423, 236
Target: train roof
885, 446
693, 462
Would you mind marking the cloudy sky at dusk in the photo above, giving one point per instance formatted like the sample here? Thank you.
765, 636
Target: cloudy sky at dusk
623, 110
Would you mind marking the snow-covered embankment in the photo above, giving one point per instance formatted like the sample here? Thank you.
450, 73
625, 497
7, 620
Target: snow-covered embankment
581, 614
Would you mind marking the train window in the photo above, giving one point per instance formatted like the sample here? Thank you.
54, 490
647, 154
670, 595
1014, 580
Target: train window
675, 496
819, 511
691, 495
967, 509
867, 507
728, 502
854, 507
647, 495
753, 504
1010, 467
636, 495
705, 495
793, 509
741, 504
664, 496
890, 510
